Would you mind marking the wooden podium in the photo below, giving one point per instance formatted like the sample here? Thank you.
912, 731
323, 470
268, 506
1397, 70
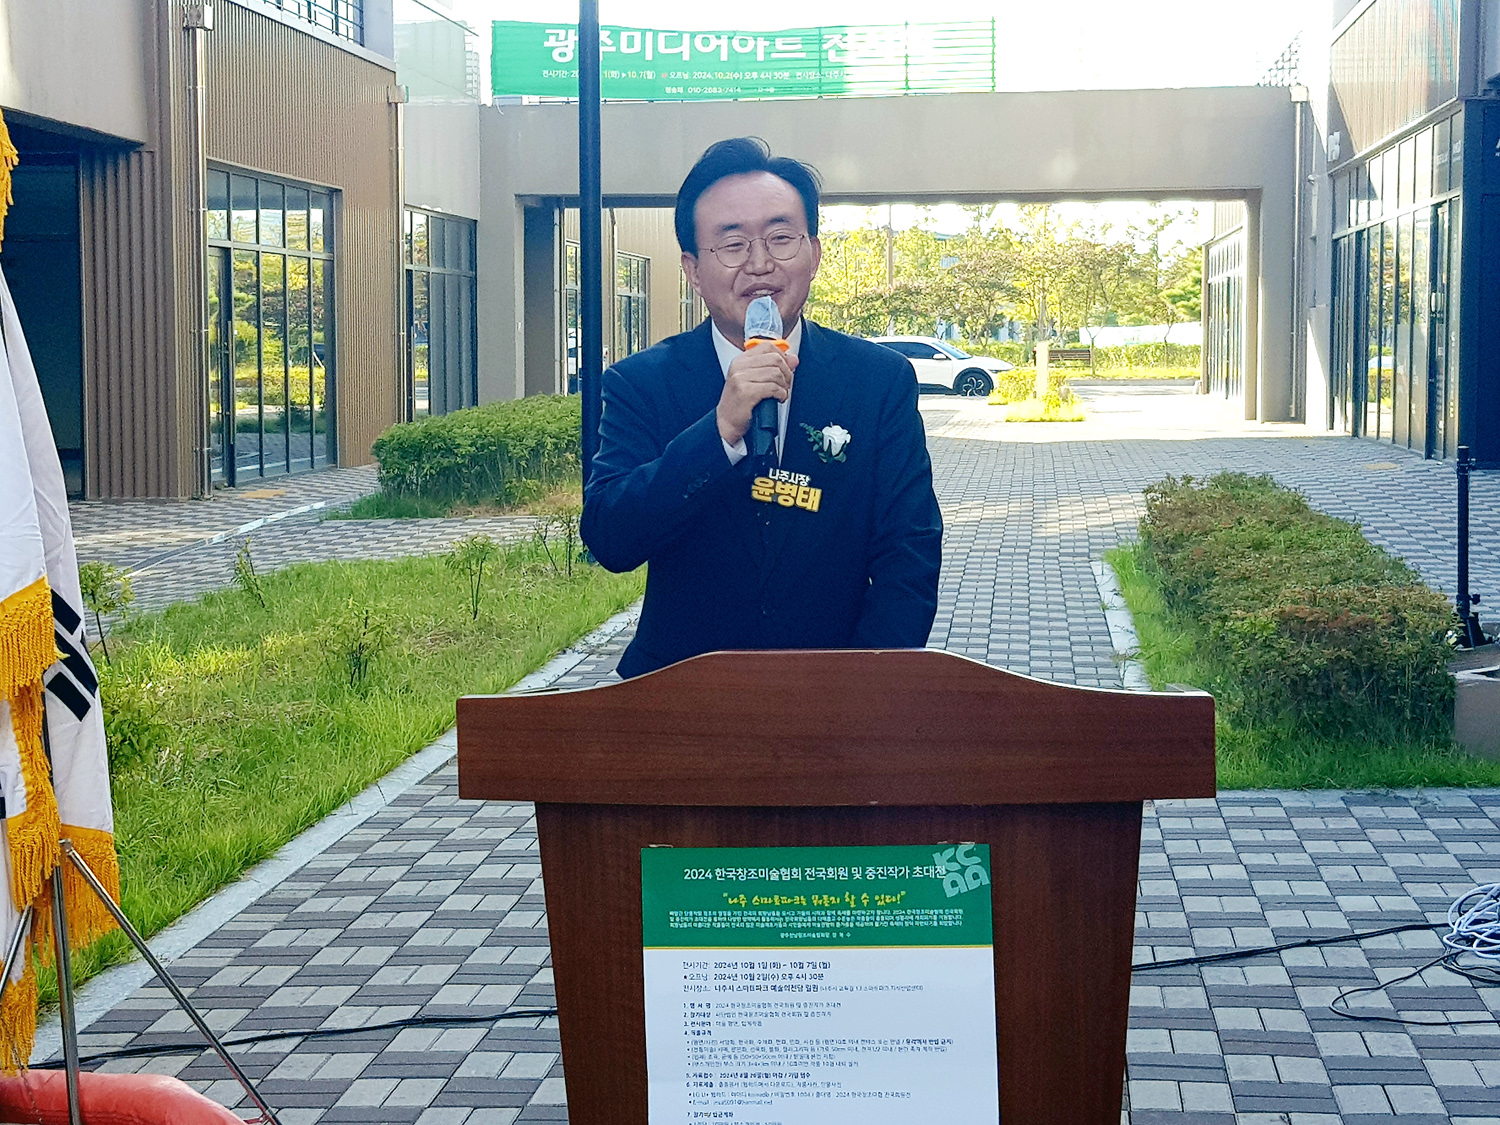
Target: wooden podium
769, 749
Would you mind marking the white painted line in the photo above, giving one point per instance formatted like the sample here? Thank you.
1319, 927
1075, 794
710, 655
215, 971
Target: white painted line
247, 528
113, 986
243, 529
1122, 635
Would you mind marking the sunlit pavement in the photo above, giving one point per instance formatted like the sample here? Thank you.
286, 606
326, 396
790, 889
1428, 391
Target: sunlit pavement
434, 905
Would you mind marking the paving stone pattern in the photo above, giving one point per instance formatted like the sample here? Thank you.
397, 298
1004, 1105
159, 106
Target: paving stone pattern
435, 905
132, 533
312, 538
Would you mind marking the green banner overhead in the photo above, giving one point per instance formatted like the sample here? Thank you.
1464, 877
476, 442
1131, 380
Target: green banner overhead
651, 64
787, 897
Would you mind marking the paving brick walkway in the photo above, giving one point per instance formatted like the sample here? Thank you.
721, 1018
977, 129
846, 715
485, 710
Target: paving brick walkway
434, 905
176, 551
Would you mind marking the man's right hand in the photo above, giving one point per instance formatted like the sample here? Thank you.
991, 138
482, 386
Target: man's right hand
761, 372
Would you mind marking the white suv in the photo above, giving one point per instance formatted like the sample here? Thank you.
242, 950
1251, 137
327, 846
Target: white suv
937, 361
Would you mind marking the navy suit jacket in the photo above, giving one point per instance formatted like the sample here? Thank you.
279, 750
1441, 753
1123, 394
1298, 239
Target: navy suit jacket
728, 571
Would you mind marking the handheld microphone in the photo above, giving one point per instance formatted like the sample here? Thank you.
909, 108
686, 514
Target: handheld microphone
763, 322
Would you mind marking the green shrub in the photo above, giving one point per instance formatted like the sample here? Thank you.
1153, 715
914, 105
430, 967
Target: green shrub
1019, 384
1117, 358
1307, 619
1147, 355
486, 453
1012, 351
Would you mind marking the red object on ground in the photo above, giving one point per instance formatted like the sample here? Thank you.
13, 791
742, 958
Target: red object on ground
40, 1097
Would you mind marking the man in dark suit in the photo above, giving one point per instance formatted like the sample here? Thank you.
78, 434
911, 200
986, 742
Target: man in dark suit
833, 539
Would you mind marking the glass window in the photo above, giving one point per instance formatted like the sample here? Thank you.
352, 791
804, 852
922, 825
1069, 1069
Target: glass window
1421, 302
632, 304
299, 358
278, 354
1455, 220
421, 343
418, 239
319, 223
1373, 288
1440, 142
1401, 400
1406, 182
454, 240
324, 445
1341, 208
218, 204
441, 362
296, 218
1386, 399
247, 362
218, 393
1456, 154
273, 375
243, 206
272, 205
1423, 191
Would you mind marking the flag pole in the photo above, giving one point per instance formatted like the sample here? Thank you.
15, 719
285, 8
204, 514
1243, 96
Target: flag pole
70, 853
65, 1011
22, 925
67, 1016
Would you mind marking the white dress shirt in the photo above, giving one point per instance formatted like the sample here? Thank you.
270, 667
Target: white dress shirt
727, 353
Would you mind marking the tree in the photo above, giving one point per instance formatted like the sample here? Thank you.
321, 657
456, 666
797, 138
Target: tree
1186, 295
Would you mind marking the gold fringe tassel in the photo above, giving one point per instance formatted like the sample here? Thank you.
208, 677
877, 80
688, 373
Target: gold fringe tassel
9, 158
87, 917
32, 834
27, 645
18, 1019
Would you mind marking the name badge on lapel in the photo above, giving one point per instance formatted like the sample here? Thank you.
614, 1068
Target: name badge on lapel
788, 489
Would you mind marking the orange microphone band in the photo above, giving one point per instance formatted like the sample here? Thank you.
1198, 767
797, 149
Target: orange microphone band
780, 345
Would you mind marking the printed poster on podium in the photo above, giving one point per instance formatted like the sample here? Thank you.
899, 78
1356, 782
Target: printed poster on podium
823, 985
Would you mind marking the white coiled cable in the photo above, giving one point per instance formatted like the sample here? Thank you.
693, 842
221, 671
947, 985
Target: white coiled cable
1474, 923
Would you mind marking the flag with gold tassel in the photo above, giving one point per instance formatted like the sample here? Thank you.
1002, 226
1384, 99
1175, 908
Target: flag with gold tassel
27, 650
75, 718
47, 678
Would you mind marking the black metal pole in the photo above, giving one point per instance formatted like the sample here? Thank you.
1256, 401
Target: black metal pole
590, 234
1472, 634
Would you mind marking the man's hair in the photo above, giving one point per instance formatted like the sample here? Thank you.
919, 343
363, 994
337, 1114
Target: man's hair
735, 157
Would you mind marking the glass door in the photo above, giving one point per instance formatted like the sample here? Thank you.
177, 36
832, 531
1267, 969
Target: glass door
220, 370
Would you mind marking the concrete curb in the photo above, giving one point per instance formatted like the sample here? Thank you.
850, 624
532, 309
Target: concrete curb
1122, 635
112, 986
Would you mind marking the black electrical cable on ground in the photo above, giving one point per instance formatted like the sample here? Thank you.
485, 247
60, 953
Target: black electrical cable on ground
1262, 950
182, 1047
1473, 925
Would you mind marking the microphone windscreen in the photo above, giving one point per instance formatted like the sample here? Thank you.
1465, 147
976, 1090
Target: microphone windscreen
763, 320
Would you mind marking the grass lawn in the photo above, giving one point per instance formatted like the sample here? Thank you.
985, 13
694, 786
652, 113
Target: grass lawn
542, 500
234, 727
1277, 756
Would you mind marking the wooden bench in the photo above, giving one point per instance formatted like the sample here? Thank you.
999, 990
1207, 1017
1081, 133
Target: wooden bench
1071, 355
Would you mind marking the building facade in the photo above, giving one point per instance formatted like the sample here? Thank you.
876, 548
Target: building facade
211, 277
1406, 337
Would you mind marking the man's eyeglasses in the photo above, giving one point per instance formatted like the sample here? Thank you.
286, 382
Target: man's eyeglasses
735, 252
